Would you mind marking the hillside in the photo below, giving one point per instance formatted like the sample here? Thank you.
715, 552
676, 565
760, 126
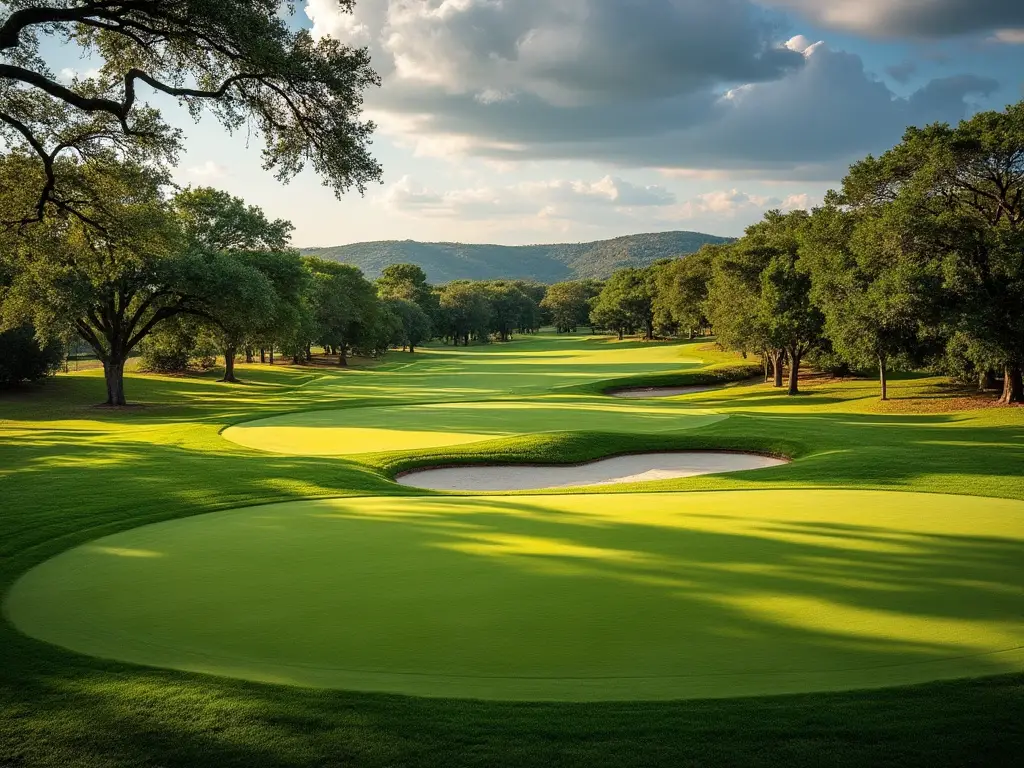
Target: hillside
444, 262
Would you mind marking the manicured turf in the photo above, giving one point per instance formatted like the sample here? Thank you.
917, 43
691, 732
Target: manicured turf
556, 597
415, 427
71, 473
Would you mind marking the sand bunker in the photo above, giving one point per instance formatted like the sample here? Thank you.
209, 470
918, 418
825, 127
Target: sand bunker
642, 392
638, 468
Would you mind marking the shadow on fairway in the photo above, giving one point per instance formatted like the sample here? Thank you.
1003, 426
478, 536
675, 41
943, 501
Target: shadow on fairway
756, 593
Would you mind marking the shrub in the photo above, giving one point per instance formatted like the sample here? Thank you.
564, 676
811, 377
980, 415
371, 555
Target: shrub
23, 358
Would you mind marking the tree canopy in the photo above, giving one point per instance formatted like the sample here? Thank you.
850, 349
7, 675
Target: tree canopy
238, 60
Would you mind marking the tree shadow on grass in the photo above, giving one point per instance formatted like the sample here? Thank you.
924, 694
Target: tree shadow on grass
710, 604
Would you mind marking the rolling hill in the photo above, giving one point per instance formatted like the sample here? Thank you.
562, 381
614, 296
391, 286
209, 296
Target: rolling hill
444, 262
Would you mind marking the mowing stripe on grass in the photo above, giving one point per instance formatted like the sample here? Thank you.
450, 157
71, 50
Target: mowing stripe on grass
436, 425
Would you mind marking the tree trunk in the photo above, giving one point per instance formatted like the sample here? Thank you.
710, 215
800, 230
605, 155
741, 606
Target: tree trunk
620, 334
987, 380
883, 376
263, 355
650, 329
794, 372
113, 372
342, 357
412, 348
1013, 386
229, 365
248, 354
766, 359
777, 366
271, 354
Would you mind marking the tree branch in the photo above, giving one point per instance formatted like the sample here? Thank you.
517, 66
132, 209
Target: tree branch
91, 339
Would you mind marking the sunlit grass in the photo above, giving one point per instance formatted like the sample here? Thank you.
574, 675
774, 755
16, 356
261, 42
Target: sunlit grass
71, 472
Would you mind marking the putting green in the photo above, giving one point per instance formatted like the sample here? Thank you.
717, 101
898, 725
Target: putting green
650, 596
412, 427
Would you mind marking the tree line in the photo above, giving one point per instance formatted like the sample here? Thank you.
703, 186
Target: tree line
184, 274
917, 261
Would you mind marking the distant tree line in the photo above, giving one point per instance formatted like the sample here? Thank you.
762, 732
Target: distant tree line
916, 261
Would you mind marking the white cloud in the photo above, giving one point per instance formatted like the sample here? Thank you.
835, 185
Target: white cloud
550, 199
733, 203
1009, 36
208, 171
602, 207
69, 74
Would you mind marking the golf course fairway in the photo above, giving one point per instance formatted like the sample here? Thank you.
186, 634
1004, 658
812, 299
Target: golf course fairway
437, 425
556, 597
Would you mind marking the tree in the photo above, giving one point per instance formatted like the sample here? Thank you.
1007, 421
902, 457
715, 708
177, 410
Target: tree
568, 304
110, 281
465, 311
790, 319
239, 299
875, 290
344, 305
383, 333
967, 183
405, 281
254, 284
530, 320
509, 308
177, 344
733, 303
626, 302
218, 221
239, 59
681, 291
414, 325
287, 324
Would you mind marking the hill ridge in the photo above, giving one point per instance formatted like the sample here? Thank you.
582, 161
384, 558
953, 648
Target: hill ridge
444, 261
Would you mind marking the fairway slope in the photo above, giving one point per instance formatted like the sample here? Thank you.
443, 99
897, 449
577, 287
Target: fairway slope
436, 425
587, 597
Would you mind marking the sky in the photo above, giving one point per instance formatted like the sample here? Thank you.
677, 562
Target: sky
527, 121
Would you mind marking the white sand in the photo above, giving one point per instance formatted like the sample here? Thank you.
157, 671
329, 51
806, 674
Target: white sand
620, 469
642, 392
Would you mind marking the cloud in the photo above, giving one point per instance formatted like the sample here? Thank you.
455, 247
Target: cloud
903, 71
733, 203
208, 171
601, 207
557, 198
572, 52
694, 85
809, 124
1009, 36
69, 75
909, 18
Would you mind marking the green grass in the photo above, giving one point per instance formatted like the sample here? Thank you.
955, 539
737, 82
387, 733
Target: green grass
680, 595
70, 473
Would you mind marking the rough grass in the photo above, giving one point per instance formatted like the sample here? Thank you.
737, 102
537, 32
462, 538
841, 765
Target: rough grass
70, 472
